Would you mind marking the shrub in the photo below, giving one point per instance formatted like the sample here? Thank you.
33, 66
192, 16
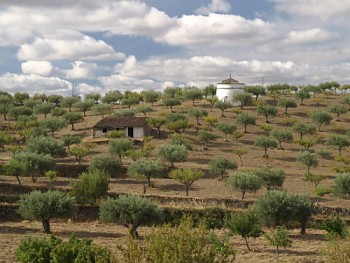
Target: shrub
173, 153
342, 184
33, 249
279, 238
272, 178
182, 243
105, 163
186, 176
335, 227
91, 186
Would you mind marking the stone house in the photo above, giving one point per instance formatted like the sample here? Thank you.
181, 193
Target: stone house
134, 127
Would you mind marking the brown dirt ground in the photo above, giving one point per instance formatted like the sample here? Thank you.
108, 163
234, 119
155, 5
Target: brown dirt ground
305, 249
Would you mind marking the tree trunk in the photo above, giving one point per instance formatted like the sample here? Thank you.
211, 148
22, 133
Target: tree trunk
302, 228
46, 226
149, 181
18, 180
72, 126
187, 189
144, 188
243, 194
133, 232
246, 243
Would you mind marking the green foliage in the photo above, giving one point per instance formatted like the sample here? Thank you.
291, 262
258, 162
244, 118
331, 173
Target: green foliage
342, 184
156, 123
131, 211
255, 90
340, 141
246, 225
186, 176
16, 112
243, 98
265, 143
43, 108
282, 136
176, 139
120, 147
178, 126
68, 102
130, 101
209, 91
113, 96
124, 113
321, 118
150, 96
171, 103
84, 106
54, 124
335, 227
57, 112
192, 94
93, 97
144, 170
279, 238
90, 187
37, 250
279, 208
197, 113
272, 178
302, 94
79, 152
102, 109
338, 109
307, 158
287, 103
266, 110
302, 129
244, 182
54, 99
45, 206
315, 179
69, 140
337, 250
226, 128
51, 175
179, 244
206, 137
46, 145
144, 109
35, 164
73, 118
173, 153
222, 105
4, 140
15, 168
245, 119
104, 163
220, 165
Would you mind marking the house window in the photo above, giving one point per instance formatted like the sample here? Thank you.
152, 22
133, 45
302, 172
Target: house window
104, 130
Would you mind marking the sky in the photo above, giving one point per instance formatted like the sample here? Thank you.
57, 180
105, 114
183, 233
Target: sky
84, 46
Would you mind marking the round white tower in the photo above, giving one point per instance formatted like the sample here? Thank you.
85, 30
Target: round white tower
226, 88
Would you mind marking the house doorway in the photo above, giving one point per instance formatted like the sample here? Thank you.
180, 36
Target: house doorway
131, 132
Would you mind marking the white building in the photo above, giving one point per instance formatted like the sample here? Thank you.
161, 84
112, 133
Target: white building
226, 88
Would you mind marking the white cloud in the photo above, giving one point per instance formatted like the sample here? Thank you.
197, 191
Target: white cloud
84, 88
34, 84
216, 6
311, 35
68, 45
43, 68
218, 30
326, 9
82, 70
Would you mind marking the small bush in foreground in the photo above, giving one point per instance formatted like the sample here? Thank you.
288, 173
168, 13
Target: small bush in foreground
42, 250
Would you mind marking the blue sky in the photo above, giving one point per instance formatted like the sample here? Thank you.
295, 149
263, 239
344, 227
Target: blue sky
47, 46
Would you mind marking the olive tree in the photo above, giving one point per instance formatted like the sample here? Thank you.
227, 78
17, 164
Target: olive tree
340, 141
104, 163
287, 103
321, 118
68, 102
242, 98
222, 105
186, 176
173, 153
42, 206
120, 147
266, 110
192, 94
226, 128
265, 143
246, 225
73, 118
84, 106
282, 136
309, 159
342, 184
207, 137
303, 128
197, 113
219, 165
46, 145
54, 124
144, 170
131, 211
338, 109
245, 119
255, 90
272, 178
150, 96
113, 96
244, 182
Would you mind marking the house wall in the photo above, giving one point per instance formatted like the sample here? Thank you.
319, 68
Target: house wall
226, 91
138, 132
